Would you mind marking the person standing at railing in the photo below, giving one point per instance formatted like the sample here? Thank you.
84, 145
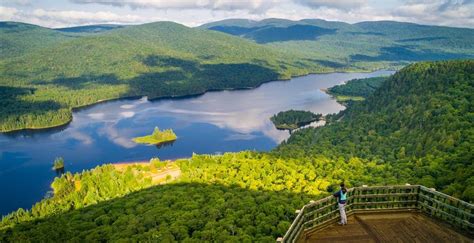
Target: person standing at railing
341, 196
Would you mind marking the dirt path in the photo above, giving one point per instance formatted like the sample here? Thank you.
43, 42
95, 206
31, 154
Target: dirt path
161, 176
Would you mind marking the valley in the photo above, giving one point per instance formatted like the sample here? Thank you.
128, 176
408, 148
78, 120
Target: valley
396, 97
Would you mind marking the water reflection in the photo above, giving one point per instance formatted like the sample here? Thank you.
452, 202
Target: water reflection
215, 122
59, 171
165, 144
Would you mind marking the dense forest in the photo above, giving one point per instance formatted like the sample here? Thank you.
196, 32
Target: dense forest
419, 122
416, 128
294, 119
357, 87
244, 196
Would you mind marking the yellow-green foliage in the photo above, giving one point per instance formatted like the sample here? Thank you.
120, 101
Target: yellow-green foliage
245, 196
157, 137
156, 163
74, 191
58, 163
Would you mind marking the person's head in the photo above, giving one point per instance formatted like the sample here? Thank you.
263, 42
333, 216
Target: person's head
343, 187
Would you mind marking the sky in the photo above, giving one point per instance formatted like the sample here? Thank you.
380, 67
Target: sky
65, 13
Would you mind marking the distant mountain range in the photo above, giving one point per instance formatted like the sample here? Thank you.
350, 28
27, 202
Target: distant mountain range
344, 43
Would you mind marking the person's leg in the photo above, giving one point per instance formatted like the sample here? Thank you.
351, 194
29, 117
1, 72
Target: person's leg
342, 211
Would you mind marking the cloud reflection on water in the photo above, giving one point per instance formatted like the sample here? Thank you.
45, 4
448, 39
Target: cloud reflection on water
245, 113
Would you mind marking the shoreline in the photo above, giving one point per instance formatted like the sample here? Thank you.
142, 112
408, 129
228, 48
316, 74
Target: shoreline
153, 99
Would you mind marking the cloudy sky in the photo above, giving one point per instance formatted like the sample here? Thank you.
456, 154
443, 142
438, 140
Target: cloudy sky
62, 13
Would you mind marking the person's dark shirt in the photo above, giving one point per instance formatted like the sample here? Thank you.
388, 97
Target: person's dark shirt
338, 195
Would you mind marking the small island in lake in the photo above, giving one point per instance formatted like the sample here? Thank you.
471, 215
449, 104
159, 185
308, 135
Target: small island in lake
58, 163
158, 137
293, 119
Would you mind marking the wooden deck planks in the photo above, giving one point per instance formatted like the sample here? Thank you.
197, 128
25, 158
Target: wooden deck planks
387, 227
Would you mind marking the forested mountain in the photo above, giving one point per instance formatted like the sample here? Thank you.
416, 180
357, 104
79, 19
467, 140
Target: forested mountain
365, 44
419, 122
416, 128
40, 86
17, 39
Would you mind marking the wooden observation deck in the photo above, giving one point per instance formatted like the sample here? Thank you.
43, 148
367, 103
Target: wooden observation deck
409, 213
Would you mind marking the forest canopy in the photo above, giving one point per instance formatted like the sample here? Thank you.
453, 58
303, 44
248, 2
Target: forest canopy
356, 89
419, 122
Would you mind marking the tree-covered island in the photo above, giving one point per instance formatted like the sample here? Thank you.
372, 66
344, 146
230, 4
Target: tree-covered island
293, 119
58, 163
355, 89
157, 137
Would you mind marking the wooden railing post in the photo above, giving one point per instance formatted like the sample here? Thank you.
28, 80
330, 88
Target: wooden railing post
379, 198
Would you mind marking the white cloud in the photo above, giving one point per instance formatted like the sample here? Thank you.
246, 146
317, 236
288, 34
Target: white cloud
83, 17
111, 132
127, 106
437, 12
193, 13
252, 5
127, 114
341, 4
81, 137
7, 13
96, 116
18, 2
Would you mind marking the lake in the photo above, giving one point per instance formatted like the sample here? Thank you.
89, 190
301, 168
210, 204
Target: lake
212, 123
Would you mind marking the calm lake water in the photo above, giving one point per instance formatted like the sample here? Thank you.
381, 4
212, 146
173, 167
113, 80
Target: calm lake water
215, 122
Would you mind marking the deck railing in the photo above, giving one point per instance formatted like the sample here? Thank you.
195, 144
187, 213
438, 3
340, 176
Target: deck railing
317, 214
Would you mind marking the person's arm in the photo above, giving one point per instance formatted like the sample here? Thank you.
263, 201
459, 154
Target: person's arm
337, 194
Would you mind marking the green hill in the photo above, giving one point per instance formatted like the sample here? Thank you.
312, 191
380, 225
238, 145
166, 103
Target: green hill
419, 122
378, 44
40, 87
17, 39
416, 128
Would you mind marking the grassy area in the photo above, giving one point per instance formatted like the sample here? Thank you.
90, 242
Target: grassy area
157, 137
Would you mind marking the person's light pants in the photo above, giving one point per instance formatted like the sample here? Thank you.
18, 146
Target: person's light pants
342, 210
